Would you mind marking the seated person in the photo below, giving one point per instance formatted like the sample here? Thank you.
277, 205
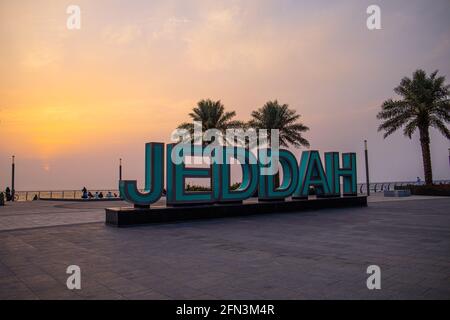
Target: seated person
8, 194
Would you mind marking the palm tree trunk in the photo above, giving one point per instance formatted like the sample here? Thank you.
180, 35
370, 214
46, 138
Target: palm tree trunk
426, 156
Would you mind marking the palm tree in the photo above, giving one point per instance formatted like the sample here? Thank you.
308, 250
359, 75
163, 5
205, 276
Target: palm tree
275, 116
425, 103
212, 115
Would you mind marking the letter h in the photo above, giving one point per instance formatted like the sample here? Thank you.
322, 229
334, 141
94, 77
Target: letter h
348, 172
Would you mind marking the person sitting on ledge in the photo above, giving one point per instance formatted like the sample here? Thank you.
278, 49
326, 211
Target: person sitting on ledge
8, 194
96, 195
100, 195
85, 193
90, 195
109, 195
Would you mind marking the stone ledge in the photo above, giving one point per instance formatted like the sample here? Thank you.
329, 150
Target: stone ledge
123, 217
397, 193
81, 200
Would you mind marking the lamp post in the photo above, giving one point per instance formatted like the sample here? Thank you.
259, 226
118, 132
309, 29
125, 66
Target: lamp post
13, 169
120, 169
367, 167
120, 174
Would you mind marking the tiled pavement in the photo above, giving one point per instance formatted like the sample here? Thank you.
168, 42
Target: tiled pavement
311, 255
25, 215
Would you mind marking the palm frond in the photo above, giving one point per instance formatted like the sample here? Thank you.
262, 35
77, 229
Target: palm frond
425, 103
279, 116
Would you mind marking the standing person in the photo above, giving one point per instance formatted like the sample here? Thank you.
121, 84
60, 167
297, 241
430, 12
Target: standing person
419, 181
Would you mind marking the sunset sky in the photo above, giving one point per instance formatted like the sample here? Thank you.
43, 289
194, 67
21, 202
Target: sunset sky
72, 102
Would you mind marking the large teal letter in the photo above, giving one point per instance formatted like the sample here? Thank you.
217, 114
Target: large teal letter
267, 189
177, 172
154, 177
347, 172
222, 175
311, 173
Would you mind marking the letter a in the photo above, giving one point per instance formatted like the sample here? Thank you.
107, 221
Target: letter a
74, 20
374, 20
374, 281
74, 281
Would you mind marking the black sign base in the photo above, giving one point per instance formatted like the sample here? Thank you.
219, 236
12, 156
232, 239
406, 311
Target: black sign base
124, 217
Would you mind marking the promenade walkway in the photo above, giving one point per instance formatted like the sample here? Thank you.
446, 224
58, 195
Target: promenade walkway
33, 214
310, 255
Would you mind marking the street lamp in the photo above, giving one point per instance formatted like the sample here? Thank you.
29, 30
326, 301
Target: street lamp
120, 169
367, 167
13, 169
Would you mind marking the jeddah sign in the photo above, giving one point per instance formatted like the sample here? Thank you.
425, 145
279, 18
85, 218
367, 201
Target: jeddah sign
169, 166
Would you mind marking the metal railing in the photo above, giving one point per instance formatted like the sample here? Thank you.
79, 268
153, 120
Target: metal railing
76, 194
389, 186
60, 194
